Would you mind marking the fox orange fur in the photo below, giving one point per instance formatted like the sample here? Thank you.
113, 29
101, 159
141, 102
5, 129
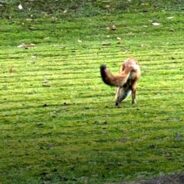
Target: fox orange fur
125, 81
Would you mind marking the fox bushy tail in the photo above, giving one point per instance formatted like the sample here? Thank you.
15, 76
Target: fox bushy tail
113, 80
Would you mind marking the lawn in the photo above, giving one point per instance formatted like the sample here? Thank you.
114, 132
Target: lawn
58, 121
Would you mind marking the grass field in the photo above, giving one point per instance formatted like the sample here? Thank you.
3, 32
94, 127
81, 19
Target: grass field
58, 122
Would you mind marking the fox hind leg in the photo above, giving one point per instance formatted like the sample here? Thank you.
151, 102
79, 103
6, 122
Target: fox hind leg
134, 93
134, 96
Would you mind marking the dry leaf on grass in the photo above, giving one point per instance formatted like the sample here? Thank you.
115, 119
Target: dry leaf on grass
111, 28
20, 7
169, 18
46, 83
79, 41
26, 46
155, 23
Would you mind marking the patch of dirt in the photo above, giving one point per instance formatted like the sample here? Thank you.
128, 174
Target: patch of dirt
170, 179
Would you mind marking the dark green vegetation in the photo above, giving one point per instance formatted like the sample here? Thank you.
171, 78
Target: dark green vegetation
58, 122
70, 8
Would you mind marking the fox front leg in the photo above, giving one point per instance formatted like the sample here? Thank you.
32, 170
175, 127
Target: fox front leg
133, 94
134, 97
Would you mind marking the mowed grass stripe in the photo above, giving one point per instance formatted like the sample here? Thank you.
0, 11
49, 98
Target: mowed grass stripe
28, 101
78, 63
59, 70
87, 75
31, 58
64, 50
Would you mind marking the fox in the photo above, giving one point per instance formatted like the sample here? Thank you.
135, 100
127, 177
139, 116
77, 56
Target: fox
125, 82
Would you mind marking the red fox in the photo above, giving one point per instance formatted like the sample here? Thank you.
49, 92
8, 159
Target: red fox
125, 81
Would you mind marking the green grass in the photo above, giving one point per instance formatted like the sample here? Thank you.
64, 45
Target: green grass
58, 122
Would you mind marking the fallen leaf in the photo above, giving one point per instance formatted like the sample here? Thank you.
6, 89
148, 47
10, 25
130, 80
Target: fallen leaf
145, 26
79, 41
107, 6
111, 28
65, 11
26, 46
12, 70
20, 7
29, 19
169, 18
33, 57
108, 28
130, 33
46, 83
47, 38
155, 24
106, 43
54, 19
118, 38
45, 105
178, 137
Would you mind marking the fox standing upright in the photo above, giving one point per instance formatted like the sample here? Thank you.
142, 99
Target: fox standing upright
125, 81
